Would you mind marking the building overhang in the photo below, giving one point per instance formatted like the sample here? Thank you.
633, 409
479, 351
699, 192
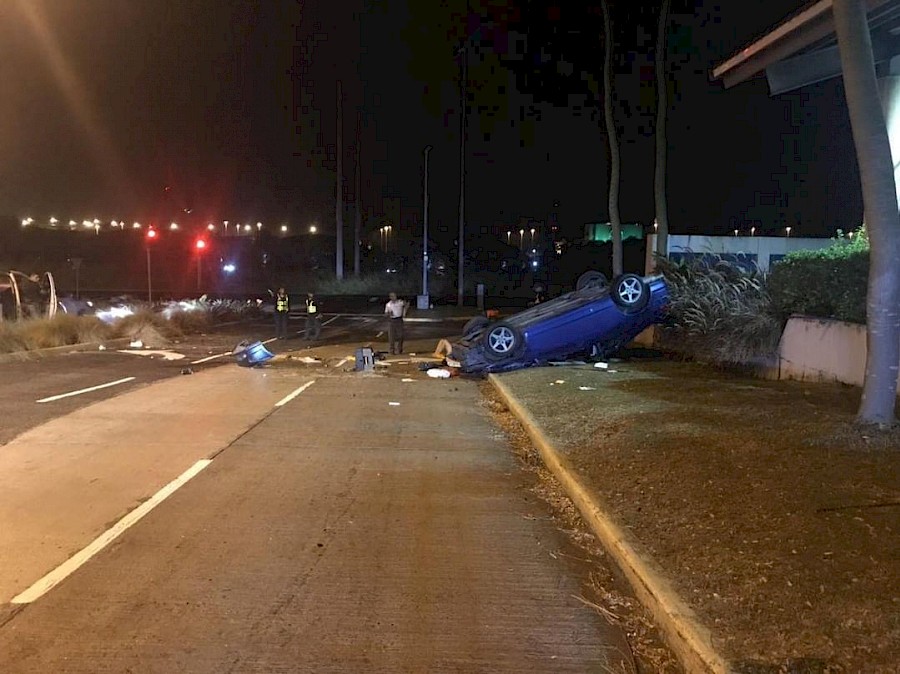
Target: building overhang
802, 49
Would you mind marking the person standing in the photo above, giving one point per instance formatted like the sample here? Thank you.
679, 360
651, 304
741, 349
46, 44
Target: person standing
395, 310
282, 308
313, 326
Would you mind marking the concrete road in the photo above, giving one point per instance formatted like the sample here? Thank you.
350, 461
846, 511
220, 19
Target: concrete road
68, 382
336, 523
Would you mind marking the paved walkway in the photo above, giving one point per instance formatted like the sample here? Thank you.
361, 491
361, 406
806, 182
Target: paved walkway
343, 533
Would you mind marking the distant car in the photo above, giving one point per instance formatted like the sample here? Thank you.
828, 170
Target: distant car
597, 318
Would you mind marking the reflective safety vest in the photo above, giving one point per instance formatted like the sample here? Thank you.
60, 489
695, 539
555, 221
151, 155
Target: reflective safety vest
311, 306
282, 303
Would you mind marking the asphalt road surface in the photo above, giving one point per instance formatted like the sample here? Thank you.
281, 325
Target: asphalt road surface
279, 519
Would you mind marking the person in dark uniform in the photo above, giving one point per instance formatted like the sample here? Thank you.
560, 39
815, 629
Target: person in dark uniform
282, 309
313, 326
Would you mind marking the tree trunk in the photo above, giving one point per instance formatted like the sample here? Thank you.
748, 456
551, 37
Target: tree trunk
339, 205
662, 103
882, 218
614, 168
357, 225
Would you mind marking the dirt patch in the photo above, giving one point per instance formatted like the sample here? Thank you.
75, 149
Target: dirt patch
604, 589
776, 519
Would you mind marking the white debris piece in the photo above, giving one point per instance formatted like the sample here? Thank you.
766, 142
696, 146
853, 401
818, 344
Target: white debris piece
101, 348
438, 373
586, 388
308, 360
407, 380
602, 365
394, 404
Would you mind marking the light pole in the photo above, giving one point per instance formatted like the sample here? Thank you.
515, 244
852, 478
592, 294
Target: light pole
424, 302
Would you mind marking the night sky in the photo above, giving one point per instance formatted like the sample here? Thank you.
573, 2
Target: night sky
138, 109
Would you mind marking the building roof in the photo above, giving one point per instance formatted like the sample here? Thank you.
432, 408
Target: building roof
802, 49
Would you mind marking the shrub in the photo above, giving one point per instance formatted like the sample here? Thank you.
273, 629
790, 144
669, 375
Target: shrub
719, 311
130, 325
828, 283
62, 330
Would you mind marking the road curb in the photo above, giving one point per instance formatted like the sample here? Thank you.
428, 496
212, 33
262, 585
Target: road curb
38, 354
685, 634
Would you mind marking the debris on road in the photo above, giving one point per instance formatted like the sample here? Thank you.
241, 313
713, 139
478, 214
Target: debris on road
186, 370
394, 404
249, 354
136, 344
438, 373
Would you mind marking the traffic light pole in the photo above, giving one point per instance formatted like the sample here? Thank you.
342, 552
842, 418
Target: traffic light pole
149, 284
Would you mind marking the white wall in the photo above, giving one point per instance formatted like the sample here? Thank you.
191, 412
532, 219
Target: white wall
763, 248
816, 349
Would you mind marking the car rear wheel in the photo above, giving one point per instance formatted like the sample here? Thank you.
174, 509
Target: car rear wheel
630, 293
501, 341
591, 279
474, 325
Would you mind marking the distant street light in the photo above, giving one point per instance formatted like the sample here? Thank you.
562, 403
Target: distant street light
735, 232
258, 226
247, 228
284, 229
508, 235
313, 229
173, 226
753, 231
211, 227
532, 236
522, 239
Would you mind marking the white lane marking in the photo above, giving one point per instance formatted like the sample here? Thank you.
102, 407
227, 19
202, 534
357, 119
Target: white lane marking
85, 390
167, 355
270, 340
290, 396
345, 361
209, 358
64, 570
331, 320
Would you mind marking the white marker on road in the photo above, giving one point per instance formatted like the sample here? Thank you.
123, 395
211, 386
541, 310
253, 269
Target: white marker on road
85, 390
61, 572
290, 396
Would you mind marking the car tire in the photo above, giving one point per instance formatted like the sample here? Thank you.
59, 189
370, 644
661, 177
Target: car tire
474, 325
591, 279
630, 293
502, 341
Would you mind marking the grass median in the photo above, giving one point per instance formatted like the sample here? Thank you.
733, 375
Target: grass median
774, 516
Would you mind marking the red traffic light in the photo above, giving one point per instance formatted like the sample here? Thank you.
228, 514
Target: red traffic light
200, 244
151, 234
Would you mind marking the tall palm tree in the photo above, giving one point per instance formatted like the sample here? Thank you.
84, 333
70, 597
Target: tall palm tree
882, 217
662, 103
613, 140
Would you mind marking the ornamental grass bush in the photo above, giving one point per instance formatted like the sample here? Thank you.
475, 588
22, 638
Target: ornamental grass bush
827, 283
719, 312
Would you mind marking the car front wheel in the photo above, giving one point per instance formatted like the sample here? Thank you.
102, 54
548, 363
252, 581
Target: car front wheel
591, 279
630, 292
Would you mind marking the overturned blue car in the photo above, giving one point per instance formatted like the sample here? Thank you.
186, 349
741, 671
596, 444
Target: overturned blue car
596, 319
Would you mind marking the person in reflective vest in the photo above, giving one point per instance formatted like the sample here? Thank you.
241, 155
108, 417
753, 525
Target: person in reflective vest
313, 326
282, 309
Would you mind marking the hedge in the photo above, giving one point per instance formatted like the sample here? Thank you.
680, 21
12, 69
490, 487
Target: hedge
827, 283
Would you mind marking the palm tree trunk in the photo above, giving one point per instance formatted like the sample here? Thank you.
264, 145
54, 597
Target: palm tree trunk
662, 103
614, 162
882, 218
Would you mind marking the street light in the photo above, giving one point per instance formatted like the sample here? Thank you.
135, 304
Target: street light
149, 237
532, 236
423, 300
313, 229
788, 230
522, 239
508, 235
